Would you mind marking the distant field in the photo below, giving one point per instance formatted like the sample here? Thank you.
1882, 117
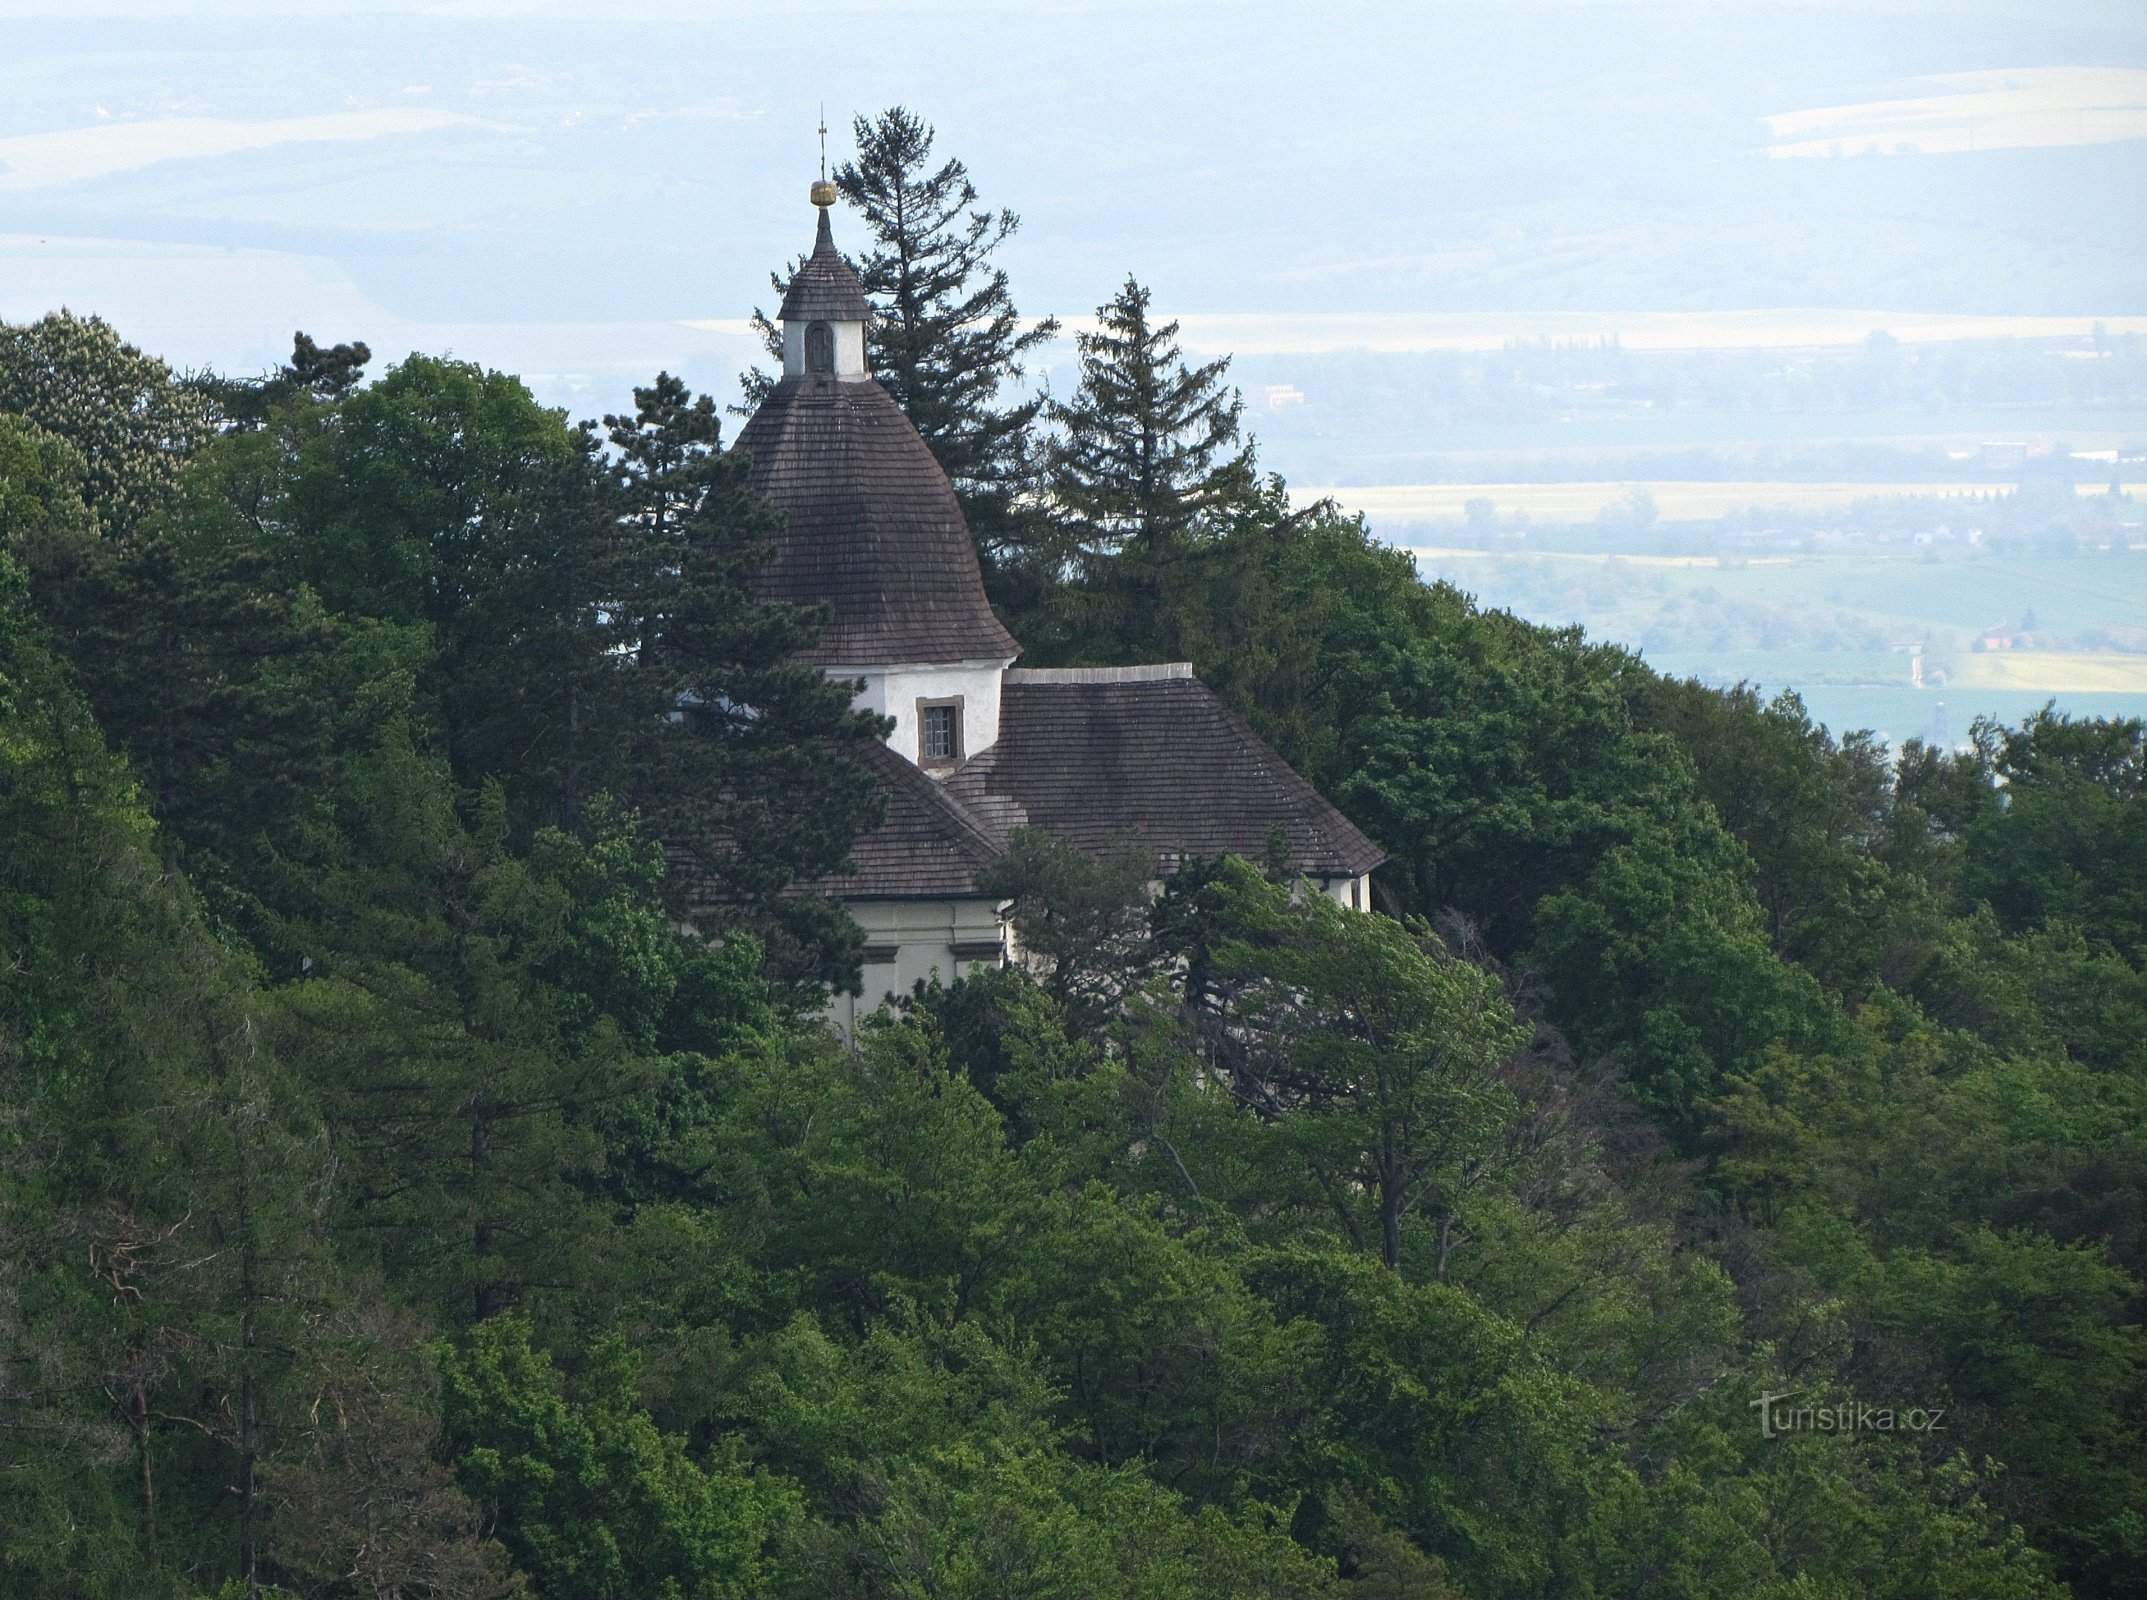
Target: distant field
1900, 596
1838, 626
1248, 333
1674, 502
2053, 672
1435, 554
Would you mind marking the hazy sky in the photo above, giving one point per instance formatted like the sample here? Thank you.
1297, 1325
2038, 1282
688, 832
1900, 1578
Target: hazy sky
563, 189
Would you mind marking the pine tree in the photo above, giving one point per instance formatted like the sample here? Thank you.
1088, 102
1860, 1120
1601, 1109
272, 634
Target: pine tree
1150, 454
326, 373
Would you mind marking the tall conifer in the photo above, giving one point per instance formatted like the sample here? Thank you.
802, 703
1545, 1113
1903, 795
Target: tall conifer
1150, 451
946, 339
947, 342
726, 780
1146, 467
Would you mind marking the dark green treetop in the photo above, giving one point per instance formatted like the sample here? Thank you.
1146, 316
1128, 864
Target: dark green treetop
1150, 452
755, 728
327, 373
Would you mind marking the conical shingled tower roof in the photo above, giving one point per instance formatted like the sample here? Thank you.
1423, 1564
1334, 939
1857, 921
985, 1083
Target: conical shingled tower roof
873, 526
825, 288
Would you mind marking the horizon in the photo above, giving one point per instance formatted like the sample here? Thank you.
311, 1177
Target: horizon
1348, 204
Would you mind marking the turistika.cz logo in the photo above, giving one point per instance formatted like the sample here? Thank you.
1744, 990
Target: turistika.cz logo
1850, 1416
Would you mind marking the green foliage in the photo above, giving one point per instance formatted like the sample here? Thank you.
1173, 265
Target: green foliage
933, 1447
1659, 955
1981, 1266
451, 1059
396, 1198
1082, 922
324, 374
1811, 812
1151, 448
723, 729
1145, 461
170, 1317
218, 681
2069, 844
590, 1496
40, 483
1383, 1050
130, 421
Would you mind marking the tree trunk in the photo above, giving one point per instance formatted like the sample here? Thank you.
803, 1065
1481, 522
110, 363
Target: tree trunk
1390, 1200
137, 1413
487, 1298
249, 1410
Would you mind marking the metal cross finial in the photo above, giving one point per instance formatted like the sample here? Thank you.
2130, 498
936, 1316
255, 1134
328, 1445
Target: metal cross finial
823, 141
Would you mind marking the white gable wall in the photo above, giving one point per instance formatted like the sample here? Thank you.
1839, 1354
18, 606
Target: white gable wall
895, 691
1355, 893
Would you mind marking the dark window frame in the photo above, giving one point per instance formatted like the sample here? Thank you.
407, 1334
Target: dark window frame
949, 703
819, 349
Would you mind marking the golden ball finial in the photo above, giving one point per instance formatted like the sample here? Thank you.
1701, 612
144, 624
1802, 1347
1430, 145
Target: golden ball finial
823, 194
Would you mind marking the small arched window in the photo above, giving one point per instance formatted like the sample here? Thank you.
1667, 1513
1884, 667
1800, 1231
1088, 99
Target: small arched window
819, 348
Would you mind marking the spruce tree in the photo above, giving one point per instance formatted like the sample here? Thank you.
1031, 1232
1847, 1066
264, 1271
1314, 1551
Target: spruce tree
1149, 453
1146, 470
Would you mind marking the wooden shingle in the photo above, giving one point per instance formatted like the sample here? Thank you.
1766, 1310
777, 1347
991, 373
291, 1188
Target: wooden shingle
873, 529
824, 287
926, 848
1100, 757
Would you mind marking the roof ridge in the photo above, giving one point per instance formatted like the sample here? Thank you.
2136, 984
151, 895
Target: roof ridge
1154, 672
921, 783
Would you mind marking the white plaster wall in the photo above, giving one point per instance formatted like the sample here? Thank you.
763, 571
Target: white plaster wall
849, 349
895, 691
1355, 893
911, 940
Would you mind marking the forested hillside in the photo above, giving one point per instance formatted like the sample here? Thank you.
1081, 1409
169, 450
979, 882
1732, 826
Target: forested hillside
1720, 1170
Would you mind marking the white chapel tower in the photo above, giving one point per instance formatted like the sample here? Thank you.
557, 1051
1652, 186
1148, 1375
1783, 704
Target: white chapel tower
874, 528
1099, 757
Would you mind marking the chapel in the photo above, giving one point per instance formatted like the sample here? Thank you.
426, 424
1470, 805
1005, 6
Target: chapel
1100, 757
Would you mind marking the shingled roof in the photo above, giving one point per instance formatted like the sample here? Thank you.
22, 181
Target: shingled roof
824, 287
1098, 756
926, 847
873, 529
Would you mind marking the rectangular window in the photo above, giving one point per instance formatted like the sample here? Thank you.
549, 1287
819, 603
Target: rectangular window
939, 732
